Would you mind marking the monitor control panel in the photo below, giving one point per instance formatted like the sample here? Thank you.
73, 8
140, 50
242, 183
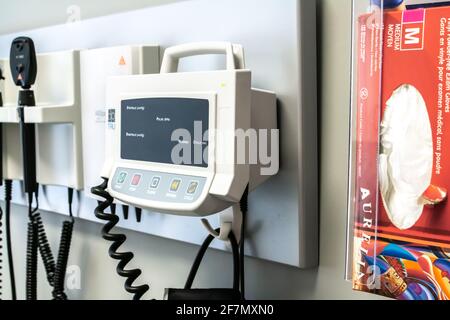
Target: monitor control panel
158, 186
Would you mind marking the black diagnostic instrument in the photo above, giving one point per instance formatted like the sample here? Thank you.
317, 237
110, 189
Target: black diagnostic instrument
23, 62
23, 65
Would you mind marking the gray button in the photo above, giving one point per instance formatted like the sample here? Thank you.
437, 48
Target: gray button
192, 187
155, 182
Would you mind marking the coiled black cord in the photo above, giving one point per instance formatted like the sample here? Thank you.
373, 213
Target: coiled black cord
37, 239
44, 248
117, 240
63, 253
8, 198
63, 257
31, 269
32, 249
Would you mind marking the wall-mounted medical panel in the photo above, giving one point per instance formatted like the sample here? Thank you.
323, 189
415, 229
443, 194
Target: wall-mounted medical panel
58, 118
96, 66
280, 49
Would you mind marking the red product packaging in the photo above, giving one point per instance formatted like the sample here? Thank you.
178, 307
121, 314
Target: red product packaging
402, 215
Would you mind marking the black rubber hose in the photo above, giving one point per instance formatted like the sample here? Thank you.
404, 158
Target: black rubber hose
31, 269
8, 198
117, 240
44, 248
63, 257
201, 253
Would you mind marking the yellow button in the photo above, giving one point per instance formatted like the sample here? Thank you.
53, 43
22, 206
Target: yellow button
175, 185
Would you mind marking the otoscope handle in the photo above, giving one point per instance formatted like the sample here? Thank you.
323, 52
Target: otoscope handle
28, 138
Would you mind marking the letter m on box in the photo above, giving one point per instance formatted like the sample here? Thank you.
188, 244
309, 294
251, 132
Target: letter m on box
413, 26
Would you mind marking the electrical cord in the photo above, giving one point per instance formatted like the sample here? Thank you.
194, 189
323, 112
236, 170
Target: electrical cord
244, 209
8, 198
31, 269
32, 254
201, 253
56, 272
37, 242
44, 248
117, 240
63, 253
70, 200
63, 257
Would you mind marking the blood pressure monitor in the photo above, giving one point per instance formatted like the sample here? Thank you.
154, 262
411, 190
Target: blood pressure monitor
173, 135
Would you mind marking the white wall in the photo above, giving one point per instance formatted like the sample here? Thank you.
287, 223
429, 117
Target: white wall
38, 13
166, 263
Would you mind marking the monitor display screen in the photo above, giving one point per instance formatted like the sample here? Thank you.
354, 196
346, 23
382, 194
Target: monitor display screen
165, 130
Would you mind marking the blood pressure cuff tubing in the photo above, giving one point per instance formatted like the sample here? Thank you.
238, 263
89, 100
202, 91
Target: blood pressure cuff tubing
189, 294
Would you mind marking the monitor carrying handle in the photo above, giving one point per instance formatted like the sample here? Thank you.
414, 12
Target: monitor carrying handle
234, 54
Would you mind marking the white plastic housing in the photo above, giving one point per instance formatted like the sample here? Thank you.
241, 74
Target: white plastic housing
96, 66
230, 96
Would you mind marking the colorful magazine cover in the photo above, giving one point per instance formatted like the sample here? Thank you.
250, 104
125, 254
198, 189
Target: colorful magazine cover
402, 215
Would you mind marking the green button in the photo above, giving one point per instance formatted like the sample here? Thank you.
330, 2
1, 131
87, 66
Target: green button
122, 177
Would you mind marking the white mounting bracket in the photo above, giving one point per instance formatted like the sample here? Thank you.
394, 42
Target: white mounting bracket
51, 114
9, 115
230, 220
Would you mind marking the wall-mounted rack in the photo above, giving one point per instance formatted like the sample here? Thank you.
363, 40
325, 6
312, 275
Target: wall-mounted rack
283, 215
58, 115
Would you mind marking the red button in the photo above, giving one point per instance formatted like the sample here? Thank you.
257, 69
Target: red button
136, 180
